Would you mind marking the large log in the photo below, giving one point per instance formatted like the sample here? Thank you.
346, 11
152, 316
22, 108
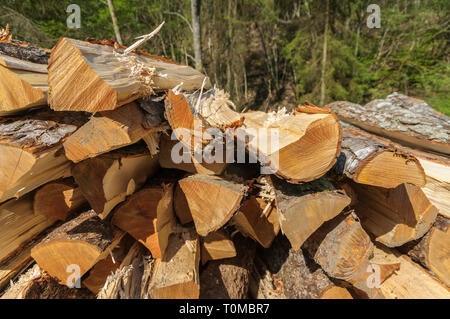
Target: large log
107, 132
342, 249
408, 120
299, 147
295, 276
212, 200
91, 77
19, 225
302, 209
433, 250
58, 199
23, 76
411, 281
107, 180
229, 278
31, 152
148, 216
82, 241
394, 216
368, 160
176, 276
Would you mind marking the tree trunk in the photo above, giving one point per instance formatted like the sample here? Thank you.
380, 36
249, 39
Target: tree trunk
324, 55
195, 11
114, 21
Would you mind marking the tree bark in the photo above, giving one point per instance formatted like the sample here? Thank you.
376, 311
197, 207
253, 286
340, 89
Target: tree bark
324, 55
114, 22
195, 11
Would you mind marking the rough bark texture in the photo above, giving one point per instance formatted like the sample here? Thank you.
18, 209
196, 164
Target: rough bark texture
368, 160
25, 52
342, 248
408, 120
293, 274
229, 278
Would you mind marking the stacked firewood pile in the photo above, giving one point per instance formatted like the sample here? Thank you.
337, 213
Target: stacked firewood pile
122, 176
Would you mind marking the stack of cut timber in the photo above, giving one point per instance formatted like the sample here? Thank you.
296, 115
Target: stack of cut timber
134, 178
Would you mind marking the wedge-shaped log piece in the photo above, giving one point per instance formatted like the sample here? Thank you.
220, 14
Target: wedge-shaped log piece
148, 216
405, 119
298, 147
30, 151
176, 276
91, 77
107, 180
342, 248
23, 76
433, 250
368, 160
212, 200
395, 216
411, 281
302, 209
58, 199
257, 219
217, 245
107, 132
82, 241
23, 85
19, 225
229, 278
294, 275
96, 278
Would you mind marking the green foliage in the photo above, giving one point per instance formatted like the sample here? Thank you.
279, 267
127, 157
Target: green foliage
268, 53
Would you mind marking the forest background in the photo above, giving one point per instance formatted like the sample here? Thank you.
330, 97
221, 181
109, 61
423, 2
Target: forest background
271, 53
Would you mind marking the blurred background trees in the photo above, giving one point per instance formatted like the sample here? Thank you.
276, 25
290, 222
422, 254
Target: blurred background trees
270, 53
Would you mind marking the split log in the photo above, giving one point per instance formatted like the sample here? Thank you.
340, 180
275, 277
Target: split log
131, 280
107, 180
437, 188
368, 160
180, 206
411, 281
394, 216
96, 277
31, 153
58, 199
191, 165
91, 77
36, 284
23, 76
258, 219
408, 120
148, 216
342, 249
295, 276
212, 200
110, 131
299, 147
229, 278
217, 245
176, 276
433, 250
302, 209
19, 225
82, 241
